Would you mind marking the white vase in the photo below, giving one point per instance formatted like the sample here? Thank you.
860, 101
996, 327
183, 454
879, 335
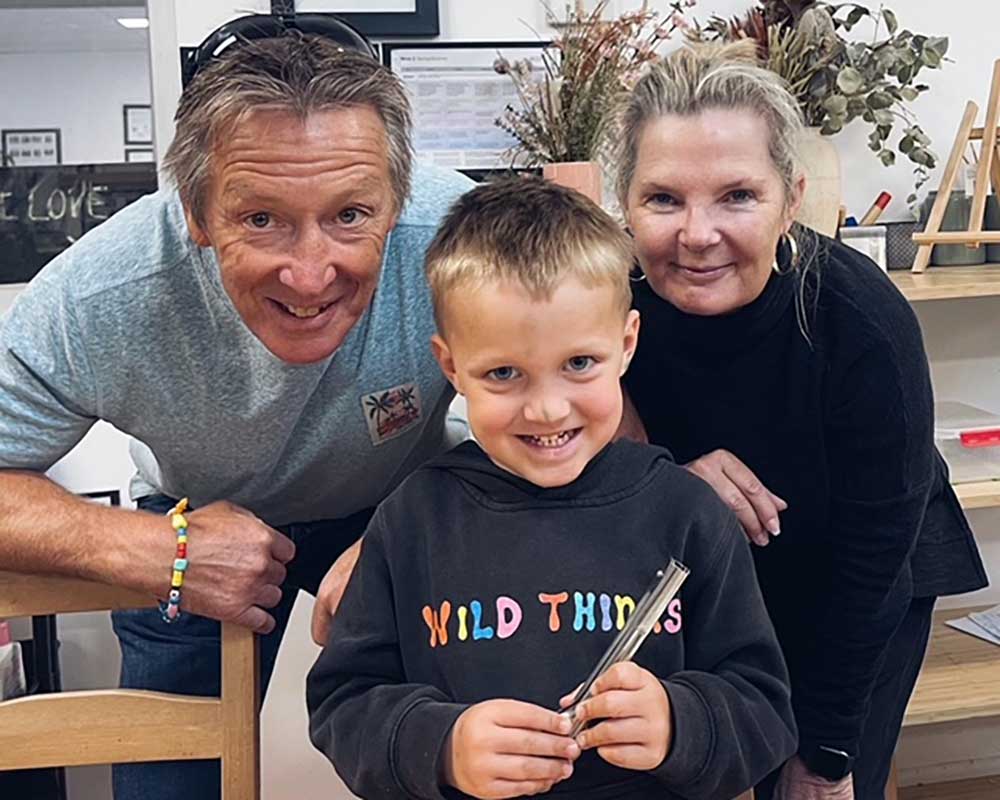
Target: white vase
821, 163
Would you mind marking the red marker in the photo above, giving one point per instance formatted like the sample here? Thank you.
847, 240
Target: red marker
876, 210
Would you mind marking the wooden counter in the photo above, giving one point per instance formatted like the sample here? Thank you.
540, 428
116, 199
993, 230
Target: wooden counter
946, 283
960, 678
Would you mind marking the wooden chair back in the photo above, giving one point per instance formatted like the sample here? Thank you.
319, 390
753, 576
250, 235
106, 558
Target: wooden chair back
126, 726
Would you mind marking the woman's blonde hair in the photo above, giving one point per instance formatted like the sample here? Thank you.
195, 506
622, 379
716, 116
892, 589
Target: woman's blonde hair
700, 77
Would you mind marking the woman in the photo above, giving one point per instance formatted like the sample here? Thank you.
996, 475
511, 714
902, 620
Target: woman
788, 372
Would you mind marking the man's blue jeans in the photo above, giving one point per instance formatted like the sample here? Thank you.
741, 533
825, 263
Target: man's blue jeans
183, 657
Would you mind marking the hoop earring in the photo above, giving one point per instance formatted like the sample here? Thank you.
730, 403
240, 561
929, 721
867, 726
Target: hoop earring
636, 275
786, 240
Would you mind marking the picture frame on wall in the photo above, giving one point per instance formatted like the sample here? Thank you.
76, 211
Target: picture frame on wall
30, 147
395, 17
109, 497
139, 154
138, 122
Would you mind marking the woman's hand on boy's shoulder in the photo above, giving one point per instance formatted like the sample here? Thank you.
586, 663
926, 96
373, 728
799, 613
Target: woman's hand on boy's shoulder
756, 506
508, 748
634, 729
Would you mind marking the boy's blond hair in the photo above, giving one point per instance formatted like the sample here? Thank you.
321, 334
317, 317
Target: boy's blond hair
531, 231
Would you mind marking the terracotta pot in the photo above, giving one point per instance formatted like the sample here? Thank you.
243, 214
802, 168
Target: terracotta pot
821, 163
584, 176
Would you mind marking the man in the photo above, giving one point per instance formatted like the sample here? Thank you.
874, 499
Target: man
261, 330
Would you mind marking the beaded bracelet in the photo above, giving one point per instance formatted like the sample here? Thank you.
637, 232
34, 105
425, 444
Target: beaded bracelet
170, 611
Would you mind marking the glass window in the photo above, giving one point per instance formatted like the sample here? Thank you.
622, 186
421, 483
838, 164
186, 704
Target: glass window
76, 127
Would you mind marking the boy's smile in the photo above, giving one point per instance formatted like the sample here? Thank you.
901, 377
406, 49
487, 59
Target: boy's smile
540, 376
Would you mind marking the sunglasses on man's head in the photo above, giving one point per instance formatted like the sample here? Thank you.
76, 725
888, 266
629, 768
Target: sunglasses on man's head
268, 26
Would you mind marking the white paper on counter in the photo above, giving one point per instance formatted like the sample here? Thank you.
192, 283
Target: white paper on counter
967, 625
989, 619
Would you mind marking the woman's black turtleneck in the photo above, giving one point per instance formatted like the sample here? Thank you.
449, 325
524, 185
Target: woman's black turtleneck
837, 419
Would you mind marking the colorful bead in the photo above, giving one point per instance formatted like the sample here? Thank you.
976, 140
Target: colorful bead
170, 611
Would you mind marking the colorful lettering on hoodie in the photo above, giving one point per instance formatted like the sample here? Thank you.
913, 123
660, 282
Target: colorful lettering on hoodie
587, 612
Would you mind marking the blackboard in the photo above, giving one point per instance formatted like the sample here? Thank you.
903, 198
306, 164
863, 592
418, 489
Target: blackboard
43, 210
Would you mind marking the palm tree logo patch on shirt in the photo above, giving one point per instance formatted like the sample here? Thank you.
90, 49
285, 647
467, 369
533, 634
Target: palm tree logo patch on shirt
391, 412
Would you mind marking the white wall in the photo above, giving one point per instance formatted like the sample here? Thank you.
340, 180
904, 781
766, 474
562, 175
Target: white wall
80, 93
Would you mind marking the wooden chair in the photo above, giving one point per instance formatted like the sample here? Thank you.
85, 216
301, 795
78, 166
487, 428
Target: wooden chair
126, 726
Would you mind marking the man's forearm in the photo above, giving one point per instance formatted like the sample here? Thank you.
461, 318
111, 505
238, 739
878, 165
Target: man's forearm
45, 529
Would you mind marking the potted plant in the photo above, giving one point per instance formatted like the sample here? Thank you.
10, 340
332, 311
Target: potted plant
837, 79
564, 106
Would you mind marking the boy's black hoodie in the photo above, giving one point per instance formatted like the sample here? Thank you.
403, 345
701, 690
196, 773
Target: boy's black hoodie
475, 584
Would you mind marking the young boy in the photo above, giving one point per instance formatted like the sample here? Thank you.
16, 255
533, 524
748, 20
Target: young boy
494, 578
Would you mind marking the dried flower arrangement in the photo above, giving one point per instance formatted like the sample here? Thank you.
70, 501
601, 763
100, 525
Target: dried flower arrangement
565, 105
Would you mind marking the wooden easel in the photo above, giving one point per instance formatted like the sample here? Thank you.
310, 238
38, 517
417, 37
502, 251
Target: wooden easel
988, 169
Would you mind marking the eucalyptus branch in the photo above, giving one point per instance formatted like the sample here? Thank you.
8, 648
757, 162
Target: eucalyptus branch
836, 80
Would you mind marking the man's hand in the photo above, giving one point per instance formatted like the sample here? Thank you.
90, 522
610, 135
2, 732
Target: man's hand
237, 566
330, 592
506, 748
796, 782
756, 507
635, 729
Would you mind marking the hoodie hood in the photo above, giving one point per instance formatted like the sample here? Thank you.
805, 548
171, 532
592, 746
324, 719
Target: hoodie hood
624, 467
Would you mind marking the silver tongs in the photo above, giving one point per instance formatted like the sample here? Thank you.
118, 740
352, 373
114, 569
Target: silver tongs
640, 622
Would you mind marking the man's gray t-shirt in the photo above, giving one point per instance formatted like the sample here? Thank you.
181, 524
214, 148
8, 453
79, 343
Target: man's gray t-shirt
131, 325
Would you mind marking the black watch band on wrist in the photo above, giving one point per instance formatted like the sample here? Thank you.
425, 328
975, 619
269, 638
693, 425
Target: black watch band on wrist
828, 762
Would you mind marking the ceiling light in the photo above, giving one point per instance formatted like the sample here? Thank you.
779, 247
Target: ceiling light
133, 22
